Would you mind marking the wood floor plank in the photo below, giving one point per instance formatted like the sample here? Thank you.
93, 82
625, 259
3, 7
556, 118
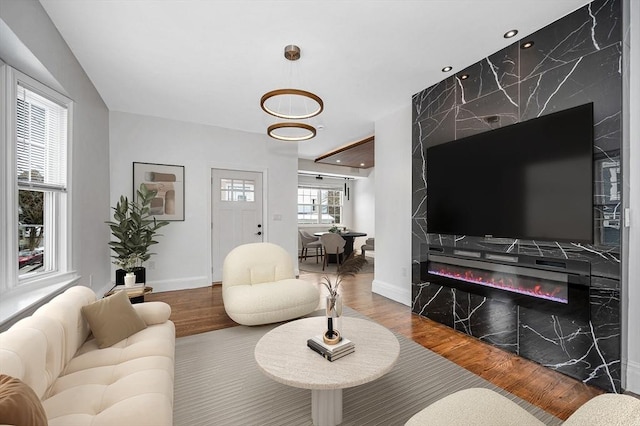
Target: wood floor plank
199, 310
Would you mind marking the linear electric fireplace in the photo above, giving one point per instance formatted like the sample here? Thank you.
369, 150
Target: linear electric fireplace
553, 287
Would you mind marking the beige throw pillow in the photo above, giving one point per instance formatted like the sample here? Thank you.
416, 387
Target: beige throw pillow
19, 404
112, 319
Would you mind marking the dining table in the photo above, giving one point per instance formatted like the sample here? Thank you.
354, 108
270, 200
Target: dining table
349, 237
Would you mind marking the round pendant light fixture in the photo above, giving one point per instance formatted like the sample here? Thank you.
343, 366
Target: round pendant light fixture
291, 104
308, 104
291, 132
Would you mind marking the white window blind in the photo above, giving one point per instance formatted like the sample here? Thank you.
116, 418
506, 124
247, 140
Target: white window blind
41, 143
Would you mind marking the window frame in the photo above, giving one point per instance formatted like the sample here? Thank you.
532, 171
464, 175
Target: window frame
320, 206
59, 218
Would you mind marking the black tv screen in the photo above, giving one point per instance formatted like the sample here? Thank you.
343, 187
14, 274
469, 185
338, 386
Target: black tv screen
530, 180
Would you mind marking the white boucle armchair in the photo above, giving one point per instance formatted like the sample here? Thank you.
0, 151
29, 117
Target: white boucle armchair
259, 286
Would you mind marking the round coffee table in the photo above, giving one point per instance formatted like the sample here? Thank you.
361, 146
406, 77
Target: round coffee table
282, 354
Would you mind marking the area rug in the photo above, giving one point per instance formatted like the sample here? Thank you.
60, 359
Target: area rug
310, 265
217, 382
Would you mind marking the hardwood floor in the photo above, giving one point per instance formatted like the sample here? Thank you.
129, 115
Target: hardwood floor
201, 309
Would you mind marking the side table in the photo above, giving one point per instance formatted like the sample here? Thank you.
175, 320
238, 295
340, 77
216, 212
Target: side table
135, 294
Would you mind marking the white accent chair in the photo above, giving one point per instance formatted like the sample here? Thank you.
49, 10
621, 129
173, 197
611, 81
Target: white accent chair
259, 286
332, 244
309, 241
484, 407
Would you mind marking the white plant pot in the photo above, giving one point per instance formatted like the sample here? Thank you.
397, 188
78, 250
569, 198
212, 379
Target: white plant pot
130, 279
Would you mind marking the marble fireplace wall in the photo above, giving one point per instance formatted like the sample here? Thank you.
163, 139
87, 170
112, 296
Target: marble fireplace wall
575, 60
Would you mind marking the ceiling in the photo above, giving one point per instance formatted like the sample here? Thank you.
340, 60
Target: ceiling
210, 61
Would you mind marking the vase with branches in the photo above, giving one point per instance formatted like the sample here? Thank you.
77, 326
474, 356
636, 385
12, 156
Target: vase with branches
349, 268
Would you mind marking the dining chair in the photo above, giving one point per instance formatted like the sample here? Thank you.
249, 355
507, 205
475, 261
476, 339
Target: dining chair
370, 245
332, 244
310, 242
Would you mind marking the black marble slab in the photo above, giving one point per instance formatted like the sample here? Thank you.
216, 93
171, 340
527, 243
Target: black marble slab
434, 302
434, 100
497, 109
489, 320
586, 350
574, 84
587, 30
493, 73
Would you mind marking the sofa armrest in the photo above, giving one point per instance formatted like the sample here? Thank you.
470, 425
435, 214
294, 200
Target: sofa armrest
607, 409
153, 312
474, 407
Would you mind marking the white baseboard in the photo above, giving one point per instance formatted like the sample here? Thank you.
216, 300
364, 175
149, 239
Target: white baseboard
179, 284
393, 292
633, 377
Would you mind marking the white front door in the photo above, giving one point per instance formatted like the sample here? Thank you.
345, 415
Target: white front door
236, 213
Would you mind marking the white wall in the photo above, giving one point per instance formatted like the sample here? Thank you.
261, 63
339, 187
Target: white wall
282, 169
90, 133
393, 206
183, 257
631, 285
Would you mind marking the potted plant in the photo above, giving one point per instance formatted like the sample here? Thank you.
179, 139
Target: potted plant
134, 230
129, 265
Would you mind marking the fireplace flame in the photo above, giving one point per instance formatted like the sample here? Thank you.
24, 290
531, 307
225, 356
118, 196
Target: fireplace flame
530, 286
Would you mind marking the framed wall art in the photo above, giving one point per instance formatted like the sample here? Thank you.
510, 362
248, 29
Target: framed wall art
168, 181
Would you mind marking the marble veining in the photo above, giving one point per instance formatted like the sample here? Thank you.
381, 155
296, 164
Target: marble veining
587, 30
579, 350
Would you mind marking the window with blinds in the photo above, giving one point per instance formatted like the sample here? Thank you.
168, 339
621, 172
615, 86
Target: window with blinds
41, 142
41, 174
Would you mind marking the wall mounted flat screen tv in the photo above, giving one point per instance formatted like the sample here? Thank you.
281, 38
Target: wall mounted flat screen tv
530, 180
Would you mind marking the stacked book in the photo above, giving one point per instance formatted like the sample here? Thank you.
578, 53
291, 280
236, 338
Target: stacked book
331, 352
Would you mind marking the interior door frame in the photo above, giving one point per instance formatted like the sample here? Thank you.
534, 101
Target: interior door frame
238, 168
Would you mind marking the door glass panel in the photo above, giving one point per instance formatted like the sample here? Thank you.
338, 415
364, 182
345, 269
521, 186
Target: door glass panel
237, 190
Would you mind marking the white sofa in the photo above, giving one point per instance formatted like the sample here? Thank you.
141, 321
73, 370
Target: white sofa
259, 286
484, 407
128, 383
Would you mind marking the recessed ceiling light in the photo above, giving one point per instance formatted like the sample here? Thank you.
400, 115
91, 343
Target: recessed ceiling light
337, 161
447, 69
361, 164
526, 45
511, 33
464, 76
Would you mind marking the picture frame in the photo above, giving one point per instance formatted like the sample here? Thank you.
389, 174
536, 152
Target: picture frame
168, 181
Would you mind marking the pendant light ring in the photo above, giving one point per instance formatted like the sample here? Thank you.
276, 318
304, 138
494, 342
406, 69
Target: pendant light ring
291, 92
272, 131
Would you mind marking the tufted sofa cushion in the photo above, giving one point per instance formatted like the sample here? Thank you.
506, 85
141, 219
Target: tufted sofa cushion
130, 382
